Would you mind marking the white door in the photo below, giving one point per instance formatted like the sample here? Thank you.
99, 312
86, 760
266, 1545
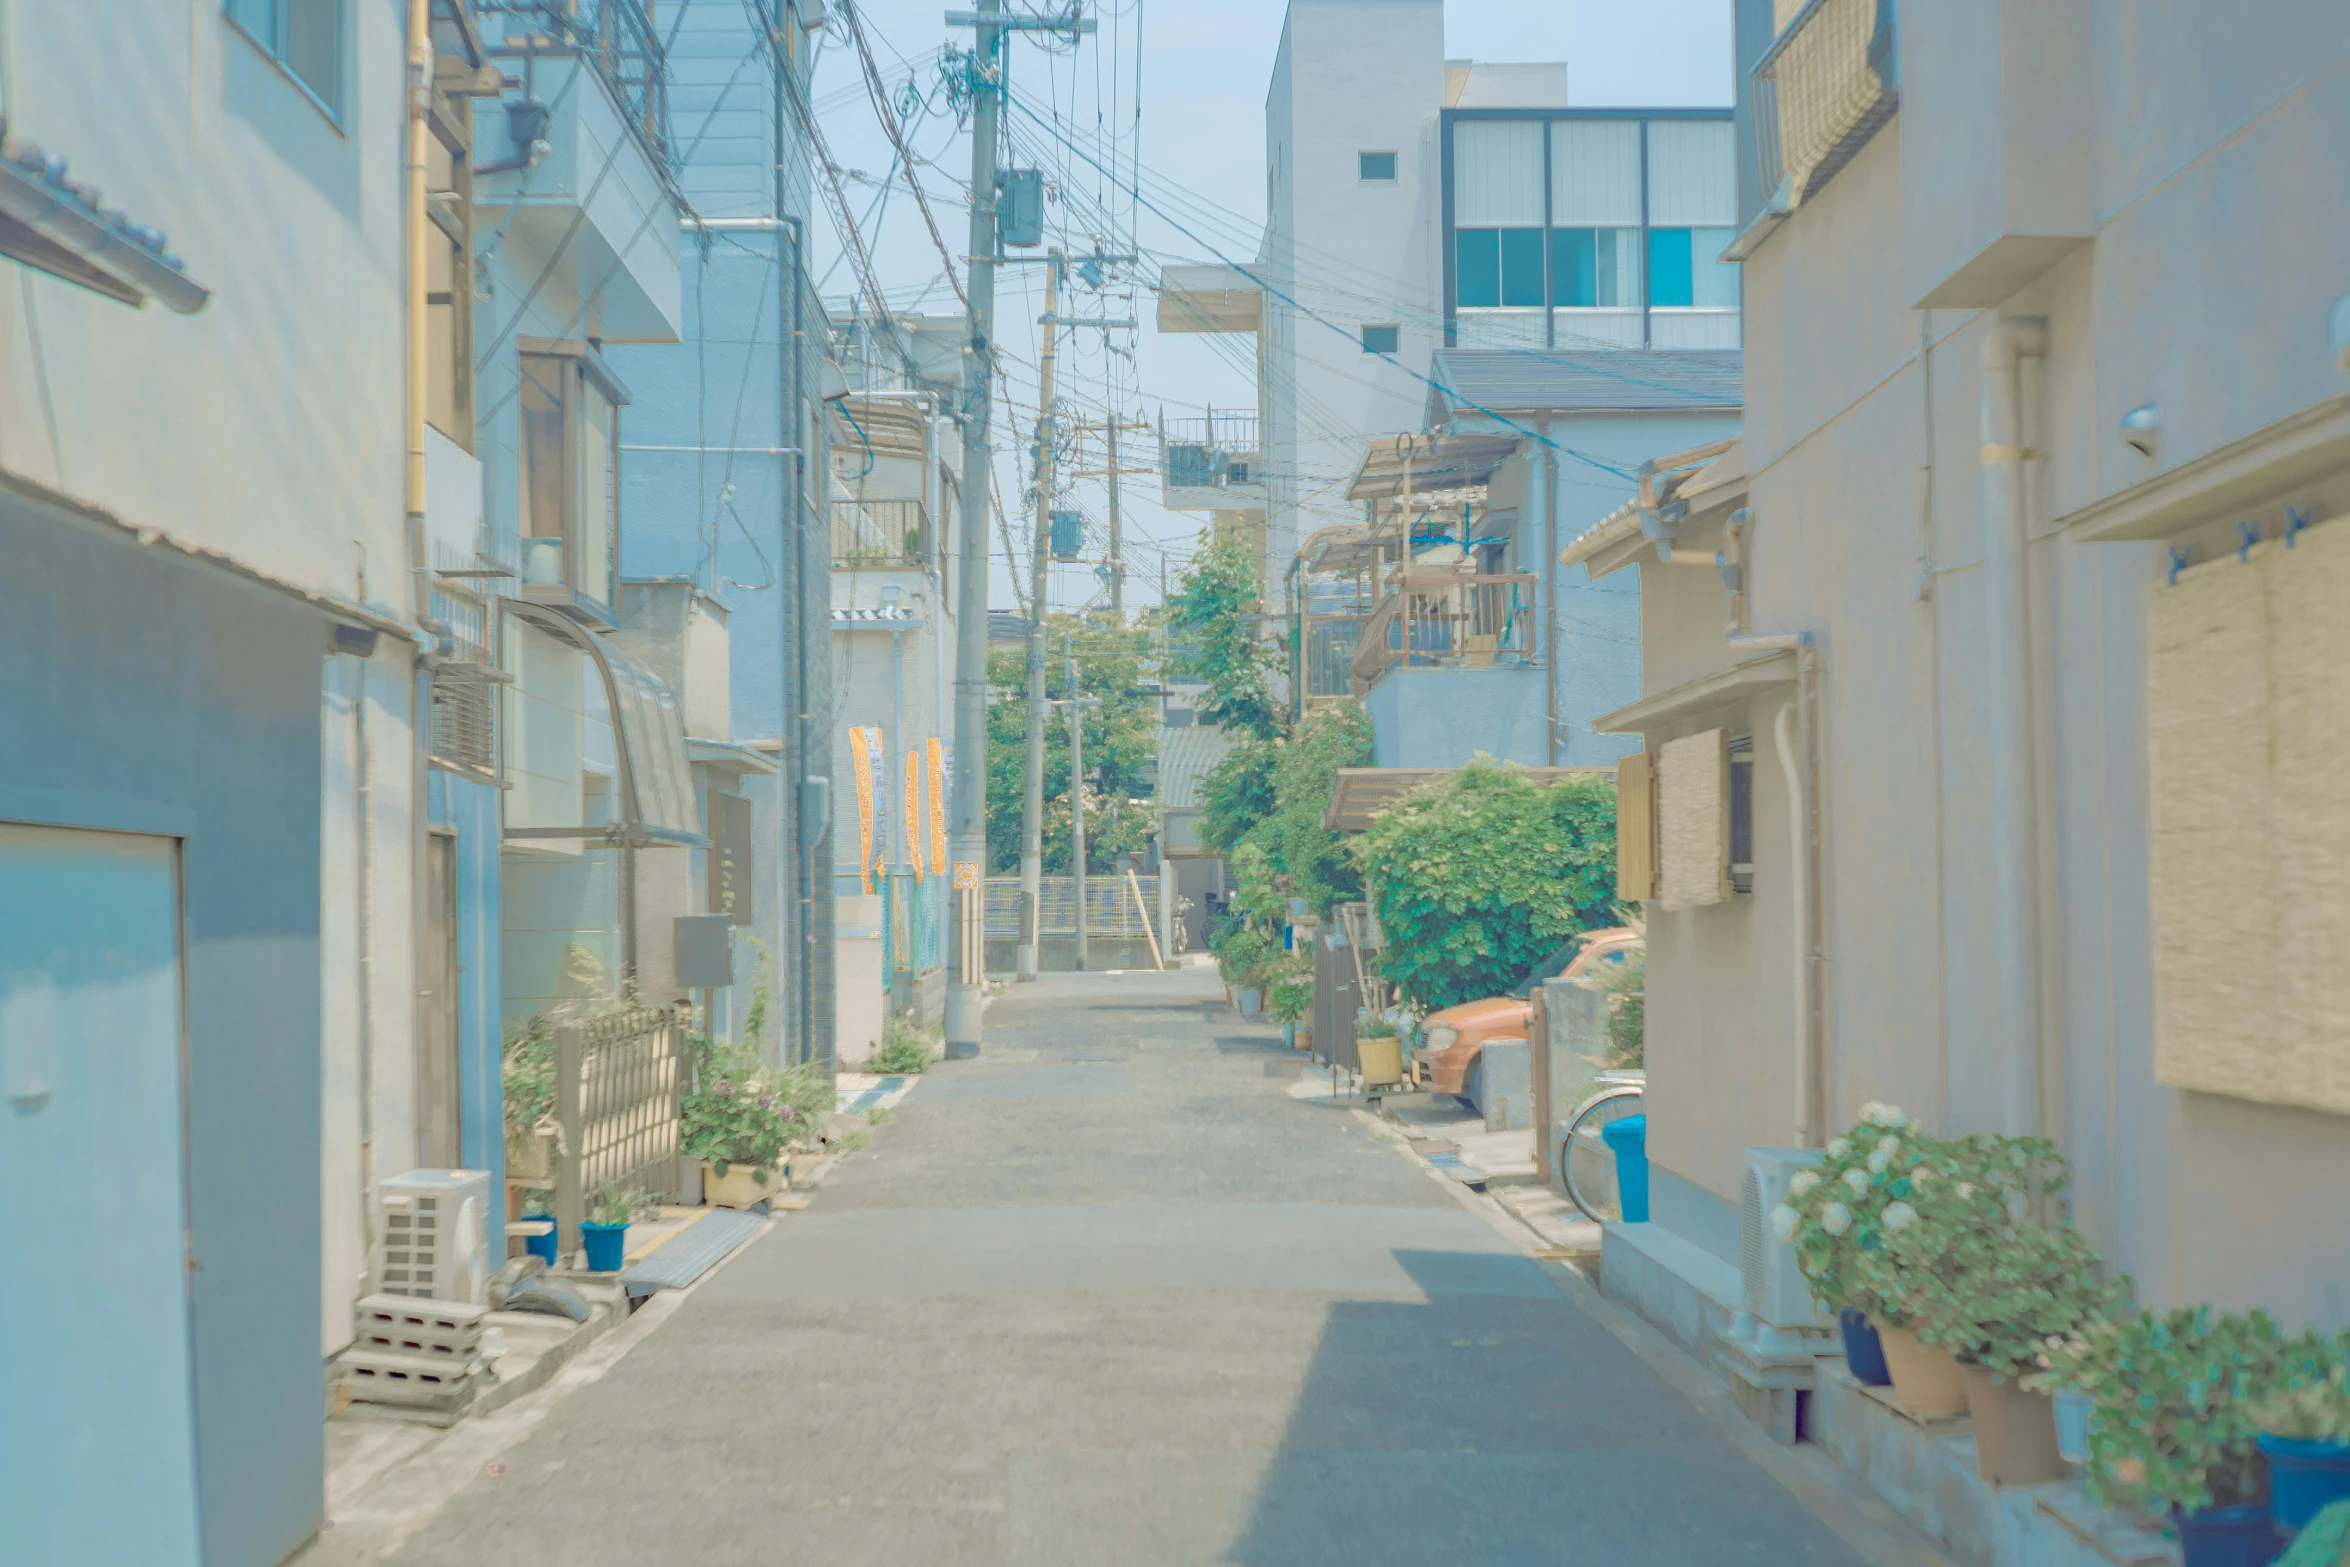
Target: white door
97, 1444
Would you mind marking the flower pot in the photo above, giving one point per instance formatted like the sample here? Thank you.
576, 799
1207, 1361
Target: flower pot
1305, 1040
740, 1186
1381, 1058
1864, 1353
1926, 1381
2303, 1477
1252, 1001
2015, 1431
2072, 1411
2227, 1537
606, 1246
541, 1246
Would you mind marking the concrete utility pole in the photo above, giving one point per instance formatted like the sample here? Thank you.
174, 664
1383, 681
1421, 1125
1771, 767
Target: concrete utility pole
1117, 533
967, 910
1076, 789
1039, 568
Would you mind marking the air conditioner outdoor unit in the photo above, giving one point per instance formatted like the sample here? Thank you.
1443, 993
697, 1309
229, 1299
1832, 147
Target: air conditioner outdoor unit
1774, 1289
432, 1235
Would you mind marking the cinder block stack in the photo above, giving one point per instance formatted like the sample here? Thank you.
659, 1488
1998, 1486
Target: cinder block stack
419, 1355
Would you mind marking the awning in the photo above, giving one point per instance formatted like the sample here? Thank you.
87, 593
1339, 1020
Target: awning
726, 756
1707, 694
1341, 550
56, 225
1436, 462
1361, 793
655, 783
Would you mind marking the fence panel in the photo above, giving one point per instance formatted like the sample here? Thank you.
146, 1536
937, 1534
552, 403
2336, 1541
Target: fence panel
619, 1086
1109, 906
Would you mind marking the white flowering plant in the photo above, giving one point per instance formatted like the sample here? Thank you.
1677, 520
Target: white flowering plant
1840, 1211
1991, 1266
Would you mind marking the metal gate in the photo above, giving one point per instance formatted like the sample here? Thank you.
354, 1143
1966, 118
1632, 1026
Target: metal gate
619, 1087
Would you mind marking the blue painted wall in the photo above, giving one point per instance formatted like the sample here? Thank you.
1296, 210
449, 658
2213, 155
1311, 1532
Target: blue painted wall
1449, 717
176, 697
473, 810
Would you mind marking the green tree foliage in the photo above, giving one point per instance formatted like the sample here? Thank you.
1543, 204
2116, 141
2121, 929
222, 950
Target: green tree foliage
1213, 621
1120, 744
1478, 876
1237, 794
1314, 859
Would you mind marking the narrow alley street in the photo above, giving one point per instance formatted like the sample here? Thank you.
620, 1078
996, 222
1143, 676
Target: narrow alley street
1113, 1295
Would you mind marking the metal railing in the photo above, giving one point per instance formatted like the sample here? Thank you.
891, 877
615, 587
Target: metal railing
1820, 92
1110, 909
1326, 660
615, 36
880, 533
1448, 618
619, 1088
1236, 432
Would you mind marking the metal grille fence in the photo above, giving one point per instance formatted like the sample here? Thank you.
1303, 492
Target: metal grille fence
1821, 92
1110, 909
879, 533
619, 1083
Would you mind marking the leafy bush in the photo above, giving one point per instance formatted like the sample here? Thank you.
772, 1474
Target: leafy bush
1478, 876
904, 1050
2310, 1398
1626, 984
528, 1075
2177, 1395
1305, 775
1237, 794
2325, 1543
1836, 1214
742, 1111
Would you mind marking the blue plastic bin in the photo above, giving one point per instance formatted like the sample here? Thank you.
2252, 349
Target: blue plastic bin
1628, 1141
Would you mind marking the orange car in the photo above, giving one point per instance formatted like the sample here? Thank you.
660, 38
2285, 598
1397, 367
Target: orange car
1451, 1040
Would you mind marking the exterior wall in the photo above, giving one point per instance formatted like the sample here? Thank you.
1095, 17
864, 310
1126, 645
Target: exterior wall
173, 697
1450, 717
1351, 76
2202, 131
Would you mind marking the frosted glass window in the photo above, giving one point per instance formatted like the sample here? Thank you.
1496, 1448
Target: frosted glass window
1692, 173
1497, 173
1595, 173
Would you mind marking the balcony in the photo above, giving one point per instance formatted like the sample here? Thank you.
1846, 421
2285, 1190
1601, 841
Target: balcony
583, 150
1820, 92
1449, 620
1211, 464
869, 535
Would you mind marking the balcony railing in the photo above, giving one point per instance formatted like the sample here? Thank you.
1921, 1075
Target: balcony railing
1326, 661
867, 534
1449, 619
1823, 89
615, 36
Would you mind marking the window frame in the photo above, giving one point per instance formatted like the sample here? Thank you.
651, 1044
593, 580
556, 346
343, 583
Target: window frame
329, 97
1363, 176
451, 128
1395, 344
582, 368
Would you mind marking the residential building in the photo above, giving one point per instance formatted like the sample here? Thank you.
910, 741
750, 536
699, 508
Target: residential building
212, 834
1445, 612
1999, 798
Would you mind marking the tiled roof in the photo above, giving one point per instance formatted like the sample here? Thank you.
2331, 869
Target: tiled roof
1592, 380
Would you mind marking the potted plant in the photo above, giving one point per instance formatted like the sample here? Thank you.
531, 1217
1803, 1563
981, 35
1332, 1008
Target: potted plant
1835, 1216
2305, 1430
1994, 1271
2178, 1396
603, 1234
528, 1101
740, 1118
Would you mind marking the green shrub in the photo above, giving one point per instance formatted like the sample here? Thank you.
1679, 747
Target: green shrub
1626, 984
1478, 876
742, 1111
904, 1050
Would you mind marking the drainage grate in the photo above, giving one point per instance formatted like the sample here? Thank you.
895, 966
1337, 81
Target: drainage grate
697, 1251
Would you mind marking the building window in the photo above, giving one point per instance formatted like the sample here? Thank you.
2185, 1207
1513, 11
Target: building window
1376, 167
1595, 268
1498, 267
1742, 813
304, 36
1682, 269
570, 465
448, 287
1382, 339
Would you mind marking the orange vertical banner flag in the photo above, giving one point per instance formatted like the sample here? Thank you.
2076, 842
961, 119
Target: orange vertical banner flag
861, 762
938, 804
914, 812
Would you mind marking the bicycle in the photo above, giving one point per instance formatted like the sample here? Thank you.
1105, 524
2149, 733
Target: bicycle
1587, 1168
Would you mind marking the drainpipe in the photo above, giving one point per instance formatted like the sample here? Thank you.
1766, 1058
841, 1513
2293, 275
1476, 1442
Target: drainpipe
2008, 672
1538, 494
419, 228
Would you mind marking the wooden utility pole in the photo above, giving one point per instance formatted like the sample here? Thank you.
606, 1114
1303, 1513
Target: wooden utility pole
1032, 796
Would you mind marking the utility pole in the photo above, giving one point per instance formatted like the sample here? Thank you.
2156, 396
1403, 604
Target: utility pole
1076, 788
1117, 534
967, 910
1032, 797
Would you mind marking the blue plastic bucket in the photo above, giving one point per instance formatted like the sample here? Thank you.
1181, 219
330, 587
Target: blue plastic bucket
2228, 1537
1864, 1352
2303, 1477
607, 1246
2072, 1424
541, 1246
1628, 1141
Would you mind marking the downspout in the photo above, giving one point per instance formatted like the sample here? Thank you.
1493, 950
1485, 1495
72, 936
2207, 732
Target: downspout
1538, 492
1799, 884
2007, 650
420, 89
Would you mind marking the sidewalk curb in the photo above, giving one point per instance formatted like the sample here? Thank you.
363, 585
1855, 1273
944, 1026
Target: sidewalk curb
1856, 1514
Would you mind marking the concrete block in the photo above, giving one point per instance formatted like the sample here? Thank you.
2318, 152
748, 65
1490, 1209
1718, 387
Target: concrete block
444, 1330
1678, 1287
1501, 1084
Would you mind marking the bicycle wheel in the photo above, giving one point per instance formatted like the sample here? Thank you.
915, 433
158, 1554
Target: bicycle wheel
1586, 1167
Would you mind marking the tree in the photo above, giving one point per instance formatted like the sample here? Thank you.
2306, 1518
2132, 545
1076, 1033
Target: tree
1213, 620
1120, 745
1313, 858
1478, 876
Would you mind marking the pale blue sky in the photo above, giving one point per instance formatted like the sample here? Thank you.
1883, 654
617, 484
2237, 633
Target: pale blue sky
1204, 68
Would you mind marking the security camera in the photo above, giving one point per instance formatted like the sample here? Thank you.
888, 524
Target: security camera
2142, 430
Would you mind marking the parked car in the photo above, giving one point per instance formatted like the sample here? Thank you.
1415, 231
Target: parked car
1452, 1039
